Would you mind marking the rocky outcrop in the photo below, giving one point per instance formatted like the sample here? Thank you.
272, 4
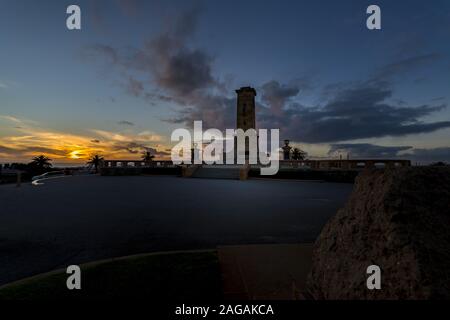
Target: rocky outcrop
398, 219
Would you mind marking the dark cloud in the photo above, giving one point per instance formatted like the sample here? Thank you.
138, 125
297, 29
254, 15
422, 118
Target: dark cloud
404, 66
126, 123
366, 150
216, 111
135, 87
348, 111
174, 65
136, 148
4, 149
186, 71
168, 60
131, 147
45, 150
362, 111
35, 149
182, 74
157, 153
276, 95
430, 155
185, 75
101, 50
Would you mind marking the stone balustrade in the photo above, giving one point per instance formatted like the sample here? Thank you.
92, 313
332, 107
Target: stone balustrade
136, 163
306, 164
344, 164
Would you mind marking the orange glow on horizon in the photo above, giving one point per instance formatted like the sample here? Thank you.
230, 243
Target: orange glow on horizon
22, 143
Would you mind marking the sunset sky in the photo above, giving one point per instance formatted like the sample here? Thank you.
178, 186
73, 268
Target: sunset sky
139, 69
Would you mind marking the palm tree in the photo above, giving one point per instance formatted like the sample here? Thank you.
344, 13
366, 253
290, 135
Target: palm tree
147, 157
41, 162
96, 160
298, 154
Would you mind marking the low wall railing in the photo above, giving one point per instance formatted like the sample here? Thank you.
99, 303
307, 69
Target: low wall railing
345, 164
137, 164
355, 164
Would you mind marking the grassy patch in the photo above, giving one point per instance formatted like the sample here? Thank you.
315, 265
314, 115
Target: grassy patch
175, 276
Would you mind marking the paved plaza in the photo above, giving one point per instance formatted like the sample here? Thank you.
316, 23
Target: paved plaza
78, 219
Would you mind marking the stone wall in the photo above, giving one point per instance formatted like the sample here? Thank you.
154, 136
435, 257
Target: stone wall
135, 171
398, 219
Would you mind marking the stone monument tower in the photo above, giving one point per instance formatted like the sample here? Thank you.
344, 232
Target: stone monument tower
246, 118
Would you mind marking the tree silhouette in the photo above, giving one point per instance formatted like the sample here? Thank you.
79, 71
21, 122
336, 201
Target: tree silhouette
147, 157
96, 160
298, 154
41, 162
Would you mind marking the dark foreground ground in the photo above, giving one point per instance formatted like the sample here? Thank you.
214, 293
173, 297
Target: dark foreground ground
78, 219
185, 276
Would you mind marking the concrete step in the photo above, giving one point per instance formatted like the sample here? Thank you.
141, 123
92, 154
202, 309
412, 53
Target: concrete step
206, 172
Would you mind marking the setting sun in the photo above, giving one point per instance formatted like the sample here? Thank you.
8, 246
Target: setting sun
76, 154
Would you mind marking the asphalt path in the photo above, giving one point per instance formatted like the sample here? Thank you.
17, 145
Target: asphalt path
84, 218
